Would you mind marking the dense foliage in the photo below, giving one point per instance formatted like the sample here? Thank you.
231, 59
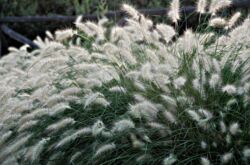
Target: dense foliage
138, 94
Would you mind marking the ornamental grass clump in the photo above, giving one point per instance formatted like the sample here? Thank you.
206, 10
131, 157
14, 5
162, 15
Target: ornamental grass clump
137, 94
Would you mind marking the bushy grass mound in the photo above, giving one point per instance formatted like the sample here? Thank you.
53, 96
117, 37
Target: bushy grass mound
138, 94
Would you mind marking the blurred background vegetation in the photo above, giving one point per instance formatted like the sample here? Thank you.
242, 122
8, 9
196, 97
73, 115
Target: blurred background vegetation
65, 7
59, 7
72, 7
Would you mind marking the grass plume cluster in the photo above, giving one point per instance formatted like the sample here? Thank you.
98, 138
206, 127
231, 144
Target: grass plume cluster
138, 94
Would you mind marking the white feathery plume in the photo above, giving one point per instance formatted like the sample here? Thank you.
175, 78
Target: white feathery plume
72, 137
127, 56
123, 125
90, 98
179, 82
230, 89
45, 64
185, 45
214, 81
90, 28
27, 125
246, 153
203, 145
174, 12
89, 83
246, 87
228, 139
153, 57
12, 49
71, 91
117, 89
103, 21
104, 149
49, 34
156, 125
78, 41
13, 147
101, 101
62, 35
216, 65
137, 144
214, 144
201, 6
60, 124
207, 114
218, 22
144, 109
231, 102
197, 84
170, 117
205, 161
99, 56
147, 139
33, 115
81, 25
139, 97
95, 29
5, 137
133, 75
131, 11
232, 21
24, 47
223, 127
246, 78
194, 115
37, 150
75, 157
78, 19
146, 71
227, 157
58, 108
183, 100
234, 128
167, 32
54, 99
216, 5
171, 159
169, 100
119, 33
98, 127
11, 117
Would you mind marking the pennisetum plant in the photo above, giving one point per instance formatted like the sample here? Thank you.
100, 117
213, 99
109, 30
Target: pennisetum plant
137, 94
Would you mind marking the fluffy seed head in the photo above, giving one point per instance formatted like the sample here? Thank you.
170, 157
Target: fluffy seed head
234, 128
218, 22
201, 6
123, 125
131, 11
62, 35
230, 89
226, 158
60, 124
104, 149
171, 159
233, 20
246, 153
174, 12
216, 5
205, 161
